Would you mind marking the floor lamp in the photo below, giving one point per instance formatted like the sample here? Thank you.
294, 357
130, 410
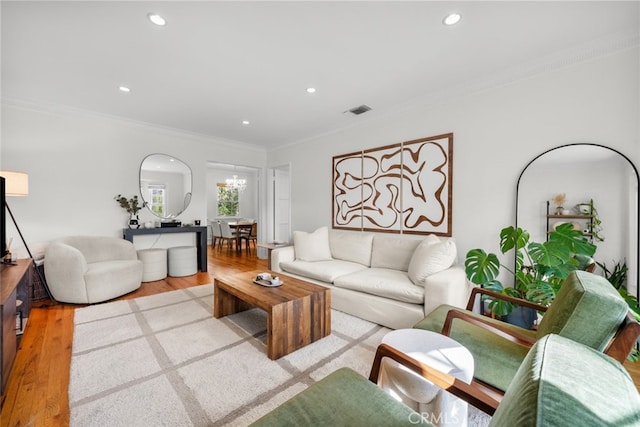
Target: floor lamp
17, 184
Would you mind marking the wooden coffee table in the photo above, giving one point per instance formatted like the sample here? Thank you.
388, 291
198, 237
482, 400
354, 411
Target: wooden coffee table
298, 312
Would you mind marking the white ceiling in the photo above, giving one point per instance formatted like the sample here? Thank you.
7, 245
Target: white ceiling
217, 63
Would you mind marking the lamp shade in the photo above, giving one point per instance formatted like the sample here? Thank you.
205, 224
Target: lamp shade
16, 183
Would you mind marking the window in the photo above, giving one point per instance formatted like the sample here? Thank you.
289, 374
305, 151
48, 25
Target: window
157, 199
227, 200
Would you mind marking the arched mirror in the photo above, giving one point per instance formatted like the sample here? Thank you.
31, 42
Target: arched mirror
584, 173
165, 185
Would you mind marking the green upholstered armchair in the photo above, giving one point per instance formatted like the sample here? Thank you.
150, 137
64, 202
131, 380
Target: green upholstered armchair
587, 309
559, 383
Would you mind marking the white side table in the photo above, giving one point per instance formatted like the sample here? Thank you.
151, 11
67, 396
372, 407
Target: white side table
182, 261
154, 264
438, 351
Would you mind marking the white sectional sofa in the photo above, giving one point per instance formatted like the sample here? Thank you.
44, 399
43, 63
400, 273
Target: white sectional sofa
387, 279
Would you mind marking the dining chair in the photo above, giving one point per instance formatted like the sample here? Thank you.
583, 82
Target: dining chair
227, 235
251, 236
216, 233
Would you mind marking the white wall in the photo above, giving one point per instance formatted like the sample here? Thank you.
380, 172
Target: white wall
496, 132
78, 162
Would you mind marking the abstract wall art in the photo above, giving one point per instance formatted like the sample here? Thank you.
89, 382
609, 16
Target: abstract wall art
400, 188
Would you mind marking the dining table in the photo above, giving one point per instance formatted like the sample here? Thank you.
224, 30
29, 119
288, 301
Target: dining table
240, 228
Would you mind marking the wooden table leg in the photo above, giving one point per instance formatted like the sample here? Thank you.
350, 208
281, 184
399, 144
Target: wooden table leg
225, 303
295, 324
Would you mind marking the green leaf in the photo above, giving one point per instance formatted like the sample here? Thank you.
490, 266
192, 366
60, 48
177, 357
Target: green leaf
549, 254
513, 238
494, 286
573, 239
480, 267
632, 302
500, 307
540, 292
519, 260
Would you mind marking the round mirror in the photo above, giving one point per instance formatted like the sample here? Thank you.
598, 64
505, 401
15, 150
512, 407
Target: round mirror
597, 189
165, 185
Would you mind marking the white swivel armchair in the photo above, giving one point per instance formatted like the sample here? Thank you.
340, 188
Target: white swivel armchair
91, 269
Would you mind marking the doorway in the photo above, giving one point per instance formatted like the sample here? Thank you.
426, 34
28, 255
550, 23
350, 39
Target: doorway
281, 204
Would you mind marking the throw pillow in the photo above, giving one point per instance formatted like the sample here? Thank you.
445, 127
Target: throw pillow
430, 258
312, 246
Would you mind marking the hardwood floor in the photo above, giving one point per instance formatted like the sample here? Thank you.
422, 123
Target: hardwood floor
37, 389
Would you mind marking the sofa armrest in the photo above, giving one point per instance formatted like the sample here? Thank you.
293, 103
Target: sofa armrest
449, 287
64, 269
476, 291
278, 255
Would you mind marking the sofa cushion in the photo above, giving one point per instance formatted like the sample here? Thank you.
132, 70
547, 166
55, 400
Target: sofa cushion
496, 359
563, 383
351, 246
325, 271
312, 246
431, 256
109, 279
383, 282
344, 398
392, 252
587, 309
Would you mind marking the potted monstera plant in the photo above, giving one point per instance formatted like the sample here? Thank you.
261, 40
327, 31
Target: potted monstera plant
540, 268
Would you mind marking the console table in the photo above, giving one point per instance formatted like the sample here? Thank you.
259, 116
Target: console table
14, 280
201, 238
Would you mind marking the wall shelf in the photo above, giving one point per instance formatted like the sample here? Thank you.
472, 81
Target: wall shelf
584, 219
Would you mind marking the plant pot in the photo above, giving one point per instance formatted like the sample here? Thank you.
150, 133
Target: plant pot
523, 317
134, 222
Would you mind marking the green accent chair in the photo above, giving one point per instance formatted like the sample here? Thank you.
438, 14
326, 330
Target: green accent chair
559, 383
587, 309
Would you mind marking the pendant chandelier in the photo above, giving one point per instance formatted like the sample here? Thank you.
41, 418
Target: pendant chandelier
236, 184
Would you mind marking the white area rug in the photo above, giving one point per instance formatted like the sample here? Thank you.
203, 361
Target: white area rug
164, 360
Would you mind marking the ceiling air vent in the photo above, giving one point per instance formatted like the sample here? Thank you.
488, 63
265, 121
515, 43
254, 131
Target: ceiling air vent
359, 110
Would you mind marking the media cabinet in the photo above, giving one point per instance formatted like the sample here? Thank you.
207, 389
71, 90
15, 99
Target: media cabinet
15, 282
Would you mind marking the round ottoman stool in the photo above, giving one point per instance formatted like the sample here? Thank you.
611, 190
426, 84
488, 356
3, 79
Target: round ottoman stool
436, 350
154, 264
182, 261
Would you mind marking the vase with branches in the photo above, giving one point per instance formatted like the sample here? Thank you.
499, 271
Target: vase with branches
132, 206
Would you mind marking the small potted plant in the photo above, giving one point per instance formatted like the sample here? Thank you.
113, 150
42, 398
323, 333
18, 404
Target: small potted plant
559, 200
594, 227
540, 268
132, 208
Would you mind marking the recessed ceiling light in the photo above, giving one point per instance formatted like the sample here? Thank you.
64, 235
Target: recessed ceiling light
124, 89
246, 122
451, 19
156, 19
311, 90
